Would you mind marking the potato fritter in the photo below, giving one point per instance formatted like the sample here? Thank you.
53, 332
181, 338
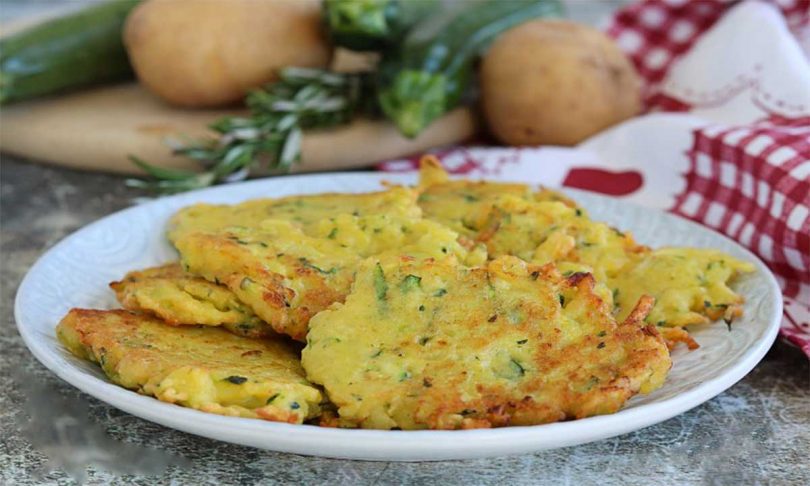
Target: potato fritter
434, 344
690, 286
204, 368
303, 211
182, 299
544, 232
286, 276
465, 205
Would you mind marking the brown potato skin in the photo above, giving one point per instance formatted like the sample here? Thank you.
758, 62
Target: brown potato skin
556, 82
205, 53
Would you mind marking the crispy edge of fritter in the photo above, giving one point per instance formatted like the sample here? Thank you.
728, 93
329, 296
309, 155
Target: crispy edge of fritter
223, 260
82, 332
183, 302
709, 311
431, 172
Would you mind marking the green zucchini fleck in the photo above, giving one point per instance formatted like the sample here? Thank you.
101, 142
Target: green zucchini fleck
409, 283
516, 367
318, 269
380, 285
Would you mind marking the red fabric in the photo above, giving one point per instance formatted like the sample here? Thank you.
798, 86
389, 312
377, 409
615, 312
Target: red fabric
611, 183
751, 182
655, 33
750, 189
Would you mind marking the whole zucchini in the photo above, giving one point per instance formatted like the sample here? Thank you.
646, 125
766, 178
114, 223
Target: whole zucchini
372, 25
68, 52
427, 78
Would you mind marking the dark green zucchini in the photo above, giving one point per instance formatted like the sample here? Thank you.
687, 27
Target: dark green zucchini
425, 79
68, 52
373, 25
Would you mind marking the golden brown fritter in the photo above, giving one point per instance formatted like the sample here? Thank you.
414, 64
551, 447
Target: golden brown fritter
465, 205
460, 205
303, 211
178, 299
286, 276
438, 345
690, 285
544, 232
511, 219
204, 368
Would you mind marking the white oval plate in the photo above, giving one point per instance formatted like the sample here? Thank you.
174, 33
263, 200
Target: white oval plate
75, 273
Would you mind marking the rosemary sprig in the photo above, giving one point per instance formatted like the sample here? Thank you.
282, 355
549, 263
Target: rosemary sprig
271, 135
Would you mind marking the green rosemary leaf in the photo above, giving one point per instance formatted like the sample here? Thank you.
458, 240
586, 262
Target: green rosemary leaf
196, 181
161, 172
287, 122
236, 158
292, 149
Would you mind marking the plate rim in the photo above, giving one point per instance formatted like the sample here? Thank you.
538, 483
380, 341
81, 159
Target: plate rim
359, 444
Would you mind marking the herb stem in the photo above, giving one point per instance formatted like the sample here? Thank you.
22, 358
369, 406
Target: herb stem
270, 135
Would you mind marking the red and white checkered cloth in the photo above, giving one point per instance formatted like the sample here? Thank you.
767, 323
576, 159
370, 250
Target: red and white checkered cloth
726, 141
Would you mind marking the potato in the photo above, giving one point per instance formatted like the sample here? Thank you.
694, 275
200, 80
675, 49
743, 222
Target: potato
557, 83
204, 53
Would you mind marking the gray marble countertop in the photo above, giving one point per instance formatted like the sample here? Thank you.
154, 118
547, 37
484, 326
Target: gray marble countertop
757, 432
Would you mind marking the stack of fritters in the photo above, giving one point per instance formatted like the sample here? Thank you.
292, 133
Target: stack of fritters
454, 304
689, 285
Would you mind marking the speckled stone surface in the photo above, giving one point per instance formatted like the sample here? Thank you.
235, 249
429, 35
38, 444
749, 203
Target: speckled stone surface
758, 432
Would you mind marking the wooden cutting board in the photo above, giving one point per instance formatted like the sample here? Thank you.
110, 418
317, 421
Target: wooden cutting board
97, 130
